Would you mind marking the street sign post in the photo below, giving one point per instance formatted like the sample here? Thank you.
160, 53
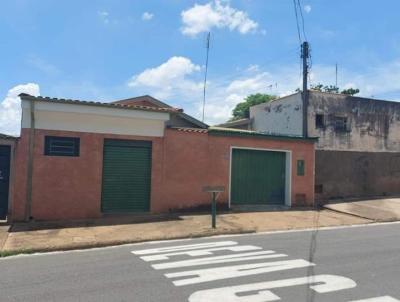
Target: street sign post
214, 193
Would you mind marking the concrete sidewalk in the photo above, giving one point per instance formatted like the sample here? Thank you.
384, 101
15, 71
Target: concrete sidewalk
384, 209
42, 237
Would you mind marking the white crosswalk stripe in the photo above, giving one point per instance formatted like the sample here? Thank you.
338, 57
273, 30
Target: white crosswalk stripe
319, 283
219, 259
223, 252
201, 252
228, 272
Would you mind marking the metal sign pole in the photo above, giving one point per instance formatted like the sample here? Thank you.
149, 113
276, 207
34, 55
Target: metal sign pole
214, 210
214, 191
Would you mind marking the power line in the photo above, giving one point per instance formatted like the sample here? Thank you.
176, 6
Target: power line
302, 20
297, 20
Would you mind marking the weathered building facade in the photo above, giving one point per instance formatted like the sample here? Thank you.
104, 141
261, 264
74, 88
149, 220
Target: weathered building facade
78, 160
358, 150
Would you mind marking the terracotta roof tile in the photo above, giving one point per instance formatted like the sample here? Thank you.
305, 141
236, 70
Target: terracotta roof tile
192, 130
100, 104
6, 136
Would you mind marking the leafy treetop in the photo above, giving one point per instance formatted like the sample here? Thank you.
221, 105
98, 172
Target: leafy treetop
334, 89
242, 110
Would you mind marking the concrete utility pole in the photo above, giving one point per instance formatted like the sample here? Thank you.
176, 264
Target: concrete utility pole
305, 55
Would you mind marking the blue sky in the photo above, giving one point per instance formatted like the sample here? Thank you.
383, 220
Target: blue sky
106, 50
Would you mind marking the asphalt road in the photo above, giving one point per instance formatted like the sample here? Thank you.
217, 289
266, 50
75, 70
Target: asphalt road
351, 264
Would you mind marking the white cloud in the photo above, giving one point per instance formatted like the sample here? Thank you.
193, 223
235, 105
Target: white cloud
253, 84
104, 16
43, 66
10, 108
307, 8
179, 82
253, 68
168, 77
147, 16
202, 18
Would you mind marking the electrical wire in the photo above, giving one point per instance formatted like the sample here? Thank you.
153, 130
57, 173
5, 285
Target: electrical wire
297, 20
302, 20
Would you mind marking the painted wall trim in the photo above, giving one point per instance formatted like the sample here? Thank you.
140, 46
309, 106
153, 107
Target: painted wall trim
248, 133
87, 109
91, 119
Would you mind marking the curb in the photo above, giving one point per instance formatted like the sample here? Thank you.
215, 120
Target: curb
360, 216
84, 246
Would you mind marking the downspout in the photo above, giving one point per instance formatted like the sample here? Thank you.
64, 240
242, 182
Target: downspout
28, 210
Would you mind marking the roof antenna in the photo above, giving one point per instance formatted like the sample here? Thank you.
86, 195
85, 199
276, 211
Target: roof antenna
205, 74
336, 75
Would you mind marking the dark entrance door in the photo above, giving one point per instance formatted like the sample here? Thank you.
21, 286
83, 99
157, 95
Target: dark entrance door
5, 152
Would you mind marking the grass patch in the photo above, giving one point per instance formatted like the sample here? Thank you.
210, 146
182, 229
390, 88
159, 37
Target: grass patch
4, 254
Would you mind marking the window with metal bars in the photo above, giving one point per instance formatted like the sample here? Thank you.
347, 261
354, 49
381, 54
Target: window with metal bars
61, 146
341, 124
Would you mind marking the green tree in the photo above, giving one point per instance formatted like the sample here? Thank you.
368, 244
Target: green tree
242, 110
334, 89
331, 89
325, 88
317, 87
350, 91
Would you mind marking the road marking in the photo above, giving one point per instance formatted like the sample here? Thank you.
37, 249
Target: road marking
185, 247
227, 272
201, 252
219, 259
331, 283
378, 299
252, 292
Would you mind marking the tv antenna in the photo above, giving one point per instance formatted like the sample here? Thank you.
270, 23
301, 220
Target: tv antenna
205, 74
336, 75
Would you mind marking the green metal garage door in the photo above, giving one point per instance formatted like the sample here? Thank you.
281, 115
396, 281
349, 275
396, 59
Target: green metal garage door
126, 176
257, 177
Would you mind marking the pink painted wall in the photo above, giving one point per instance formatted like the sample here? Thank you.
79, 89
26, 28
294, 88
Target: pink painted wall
67, 187
182, 163
193, 160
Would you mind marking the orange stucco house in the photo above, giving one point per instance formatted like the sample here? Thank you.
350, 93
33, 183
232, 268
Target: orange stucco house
78, 160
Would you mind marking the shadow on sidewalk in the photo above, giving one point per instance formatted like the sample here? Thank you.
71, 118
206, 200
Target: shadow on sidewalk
125, 219
107, 220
